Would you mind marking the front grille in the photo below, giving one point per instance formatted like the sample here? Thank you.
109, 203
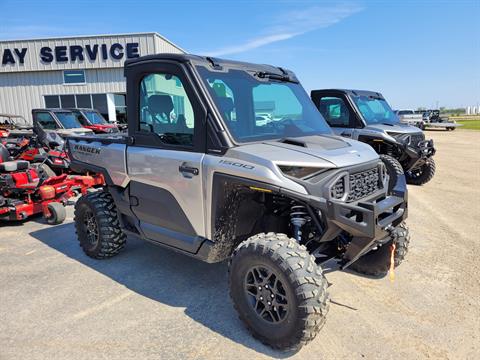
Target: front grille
361, 184
416, 138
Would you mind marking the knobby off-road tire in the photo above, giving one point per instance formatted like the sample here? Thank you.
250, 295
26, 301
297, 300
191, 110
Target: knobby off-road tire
377, 262
97, 225
273, 266
394, 170
422, 175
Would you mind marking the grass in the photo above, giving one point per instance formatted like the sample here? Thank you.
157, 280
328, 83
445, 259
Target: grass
470, 124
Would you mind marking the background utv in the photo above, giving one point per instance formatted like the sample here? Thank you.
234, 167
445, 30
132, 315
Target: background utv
197, 173
367, 117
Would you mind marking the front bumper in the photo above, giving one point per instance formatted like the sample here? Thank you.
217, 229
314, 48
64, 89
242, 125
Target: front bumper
368, 221
424, 150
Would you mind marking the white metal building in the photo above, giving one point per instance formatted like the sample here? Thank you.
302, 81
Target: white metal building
80, 71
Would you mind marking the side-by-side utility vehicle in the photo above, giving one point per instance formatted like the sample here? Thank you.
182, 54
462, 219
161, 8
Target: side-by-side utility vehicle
199, 174
367, 117
93, 120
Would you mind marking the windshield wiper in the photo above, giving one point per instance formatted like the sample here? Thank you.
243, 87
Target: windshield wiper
273, 76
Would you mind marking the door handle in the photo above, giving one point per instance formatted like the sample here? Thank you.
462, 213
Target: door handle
188, 170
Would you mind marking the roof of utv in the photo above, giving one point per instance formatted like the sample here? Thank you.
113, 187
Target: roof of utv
212, 63
52, 110
349, 92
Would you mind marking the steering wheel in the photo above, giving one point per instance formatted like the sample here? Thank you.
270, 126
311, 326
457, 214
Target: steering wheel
280, 124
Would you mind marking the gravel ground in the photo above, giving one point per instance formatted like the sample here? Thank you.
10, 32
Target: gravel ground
56, 303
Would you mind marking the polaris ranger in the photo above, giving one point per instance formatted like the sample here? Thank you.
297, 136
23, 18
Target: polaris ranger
198, 174
93, 120
367, 117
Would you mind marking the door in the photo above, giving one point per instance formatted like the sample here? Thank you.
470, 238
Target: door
165, 164
338, 115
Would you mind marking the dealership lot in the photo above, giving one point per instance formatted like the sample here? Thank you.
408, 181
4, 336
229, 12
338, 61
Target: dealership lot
148, 302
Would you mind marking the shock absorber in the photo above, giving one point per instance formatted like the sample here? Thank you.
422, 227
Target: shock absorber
298, 218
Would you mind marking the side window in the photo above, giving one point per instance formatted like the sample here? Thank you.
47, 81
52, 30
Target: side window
166, 110
46, 121
335, 111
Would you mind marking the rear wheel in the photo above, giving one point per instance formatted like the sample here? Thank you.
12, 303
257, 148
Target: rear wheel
422, 174
97, 225
279, 291
377, 262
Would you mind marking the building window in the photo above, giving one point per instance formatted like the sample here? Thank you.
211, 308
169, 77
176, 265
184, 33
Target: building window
52, 101
87, 101
74, 76
84, 101
100, 104
67, 101
120, 108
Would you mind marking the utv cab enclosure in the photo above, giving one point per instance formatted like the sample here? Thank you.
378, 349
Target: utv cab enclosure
197, 173
367, 117
93, 120
59, 121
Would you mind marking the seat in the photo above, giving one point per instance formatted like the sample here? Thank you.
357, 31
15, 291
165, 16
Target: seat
160, 105
226, 106
11, 166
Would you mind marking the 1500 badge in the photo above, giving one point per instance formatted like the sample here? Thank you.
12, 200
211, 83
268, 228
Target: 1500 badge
237, 164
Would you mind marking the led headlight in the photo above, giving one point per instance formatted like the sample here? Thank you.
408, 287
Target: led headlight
299, 172
400, 137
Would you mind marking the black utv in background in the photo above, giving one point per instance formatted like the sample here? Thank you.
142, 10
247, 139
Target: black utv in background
367, 117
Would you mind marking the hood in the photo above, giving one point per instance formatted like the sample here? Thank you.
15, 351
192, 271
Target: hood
397, 128
72, 132
326, 151
101, 126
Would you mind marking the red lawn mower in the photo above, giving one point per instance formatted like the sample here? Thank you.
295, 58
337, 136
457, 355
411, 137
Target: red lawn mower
26, 190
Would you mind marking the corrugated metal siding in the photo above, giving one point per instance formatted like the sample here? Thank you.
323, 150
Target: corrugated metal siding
22, 92
148, 44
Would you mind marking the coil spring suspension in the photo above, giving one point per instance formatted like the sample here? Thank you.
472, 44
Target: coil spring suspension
298, 218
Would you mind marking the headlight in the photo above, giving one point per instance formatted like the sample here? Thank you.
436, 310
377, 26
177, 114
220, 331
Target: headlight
299, 172
401, 138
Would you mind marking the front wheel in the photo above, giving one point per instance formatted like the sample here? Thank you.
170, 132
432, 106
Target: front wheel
57, 215
394, 170
279, 291
377, 262
422, 174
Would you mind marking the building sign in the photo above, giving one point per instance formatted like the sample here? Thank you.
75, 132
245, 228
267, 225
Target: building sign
73, 53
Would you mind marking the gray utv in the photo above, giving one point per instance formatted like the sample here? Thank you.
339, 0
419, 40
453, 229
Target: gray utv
367, 117
201, 172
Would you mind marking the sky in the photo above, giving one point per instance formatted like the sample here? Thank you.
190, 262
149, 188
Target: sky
417, 53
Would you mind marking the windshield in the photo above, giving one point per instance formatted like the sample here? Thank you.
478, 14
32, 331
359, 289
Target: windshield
68, 120
254, 109
375, 110
94, 117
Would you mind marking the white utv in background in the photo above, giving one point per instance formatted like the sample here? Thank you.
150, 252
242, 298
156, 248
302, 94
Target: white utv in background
198, 174
367, 117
